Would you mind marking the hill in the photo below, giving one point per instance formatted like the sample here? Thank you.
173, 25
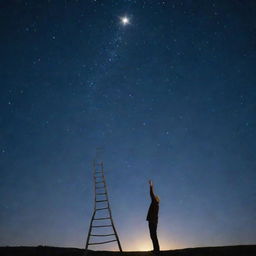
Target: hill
239, 250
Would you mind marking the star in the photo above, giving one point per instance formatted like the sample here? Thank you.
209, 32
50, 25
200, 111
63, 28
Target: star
125, 20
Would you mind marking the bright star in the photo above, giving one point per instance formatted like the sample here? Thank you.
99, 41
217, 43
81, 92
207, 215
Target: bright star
125, 20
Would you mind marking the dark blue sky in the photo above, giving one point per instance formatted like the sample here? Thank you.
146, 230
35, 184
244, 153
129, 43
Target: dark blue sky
171, 97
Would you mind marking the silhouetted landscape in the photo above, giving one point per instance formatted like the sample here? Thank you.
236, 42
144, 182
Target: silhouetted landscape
239, 250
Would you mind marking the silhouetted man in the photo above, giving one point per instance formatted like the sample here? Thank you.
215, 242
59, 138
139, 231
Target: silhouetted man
152, 217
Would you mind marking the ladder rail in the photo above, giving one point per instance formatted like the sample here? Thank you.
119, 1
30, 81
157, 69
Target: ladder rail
112, 222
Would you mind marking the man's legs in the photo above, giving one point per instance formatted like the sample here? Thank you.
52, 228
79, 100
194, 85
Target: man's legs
153, 235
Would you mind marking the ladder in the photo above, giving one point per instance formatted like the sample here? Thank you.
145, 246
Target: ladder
102, 226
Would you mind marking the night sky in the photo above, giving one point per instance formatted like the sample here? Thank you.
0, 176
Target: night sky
171, 96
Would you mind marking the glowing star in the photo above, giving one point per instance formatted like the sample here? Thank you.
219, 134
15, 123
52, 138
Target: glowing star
125, 21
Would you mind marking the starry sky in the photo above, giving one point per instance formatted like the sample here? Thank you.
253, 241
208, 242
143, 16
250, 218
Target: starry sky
170, 96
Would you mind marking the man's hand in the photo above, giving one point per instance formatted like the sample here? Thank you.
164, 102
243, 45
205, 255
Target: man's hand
150, 183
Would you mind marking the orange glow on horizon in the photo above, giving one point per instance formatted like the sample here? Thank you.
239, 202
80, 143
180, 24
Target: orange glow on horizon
145, 244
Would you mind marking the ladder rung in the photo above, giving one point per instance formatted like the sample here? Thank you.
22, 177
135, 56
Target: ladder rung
99, 172
96, 182
98, 194
103, 242
107, 218
100, 187
99, 201
99, 209
104, 235
101, 226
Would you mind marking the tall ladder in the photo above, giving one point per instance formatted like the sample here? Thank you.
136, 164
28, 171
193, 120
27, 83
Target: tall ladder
101, 220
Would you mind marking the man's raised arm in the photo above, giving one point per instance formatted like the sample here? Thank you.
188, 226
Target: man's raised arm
152, 195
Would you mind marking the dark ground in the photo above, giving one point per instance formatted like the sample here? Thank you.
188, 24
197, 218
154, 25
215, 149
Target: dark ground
241, 250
